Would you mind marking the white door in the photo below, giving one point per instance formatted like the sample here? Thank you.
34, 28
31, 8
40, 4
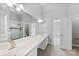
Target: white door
56, 32
62, 33
32, 29
66, 31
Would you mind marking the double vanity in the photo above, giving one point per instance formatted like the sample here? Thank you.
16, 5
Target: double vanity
20, 33
26, 46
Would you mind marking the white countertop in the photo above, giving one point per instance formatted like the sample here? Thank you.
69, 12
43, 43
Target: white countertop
23, 45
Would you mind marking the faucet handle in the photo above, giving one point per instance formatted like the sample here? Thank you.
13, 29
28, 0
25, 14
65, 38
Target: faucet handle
13, 45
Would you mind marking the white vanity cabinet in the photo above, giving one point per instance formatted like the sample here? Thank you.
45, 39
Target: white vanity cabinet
33, 52
26, 46
43, 44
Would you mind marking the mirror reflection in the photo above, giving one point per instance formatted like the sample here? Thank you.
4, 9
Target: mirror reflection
15, 23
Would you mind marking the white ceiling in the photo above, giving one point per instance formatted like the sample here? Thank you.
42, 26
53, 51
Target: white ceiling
50, 10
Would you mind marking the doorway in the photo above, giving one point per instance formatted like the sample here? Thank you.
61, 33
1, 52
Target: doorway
62, 33
56, 32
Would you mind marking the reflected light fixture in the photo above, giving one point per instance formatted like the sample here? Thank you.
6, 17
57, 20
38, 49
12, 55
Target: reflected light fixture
40, 20
10, 4
18, 9
55, 21
21, 6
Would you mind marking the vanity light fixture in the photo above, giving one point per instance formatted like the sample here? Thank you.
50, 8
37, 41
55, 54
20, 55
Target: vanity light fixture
10, 4
21, 7
18, 7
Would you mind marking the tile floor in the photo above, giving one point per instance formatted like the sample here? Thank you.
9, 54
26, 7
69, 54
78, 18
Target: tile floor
53, 51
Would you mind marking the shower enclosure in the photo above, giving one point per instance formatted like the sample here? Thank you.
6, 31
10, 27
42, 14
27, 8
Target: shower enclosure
75, 31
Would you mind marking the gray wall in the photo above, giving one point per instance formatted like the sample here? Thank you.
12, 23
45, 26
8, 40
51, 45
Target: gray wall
75, 28
74, 15
26, 18
2, 21
33, 9
53, 12
49, 12
19, 19
12, 18
3, 28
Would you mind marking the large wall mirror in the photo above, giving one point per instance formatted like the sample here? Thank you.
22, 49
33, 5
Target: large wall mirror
14, 24
3, 25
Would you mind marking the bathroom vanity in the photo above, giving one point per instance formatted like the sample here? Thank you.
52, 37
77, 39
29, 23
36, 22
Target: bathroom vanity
26, 46
20, 28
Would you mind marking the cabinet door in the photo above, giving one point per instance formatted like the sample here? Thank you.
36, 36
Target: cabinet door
43, 44
33, 52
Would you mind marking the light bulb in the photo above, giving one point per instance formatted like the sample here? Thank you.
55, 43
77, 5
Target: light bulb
9, 4
40, 20
18, 9
21, 6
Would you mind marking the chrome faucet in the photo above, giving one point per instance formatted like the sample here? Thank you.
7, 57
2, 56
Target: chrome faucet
12, 44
